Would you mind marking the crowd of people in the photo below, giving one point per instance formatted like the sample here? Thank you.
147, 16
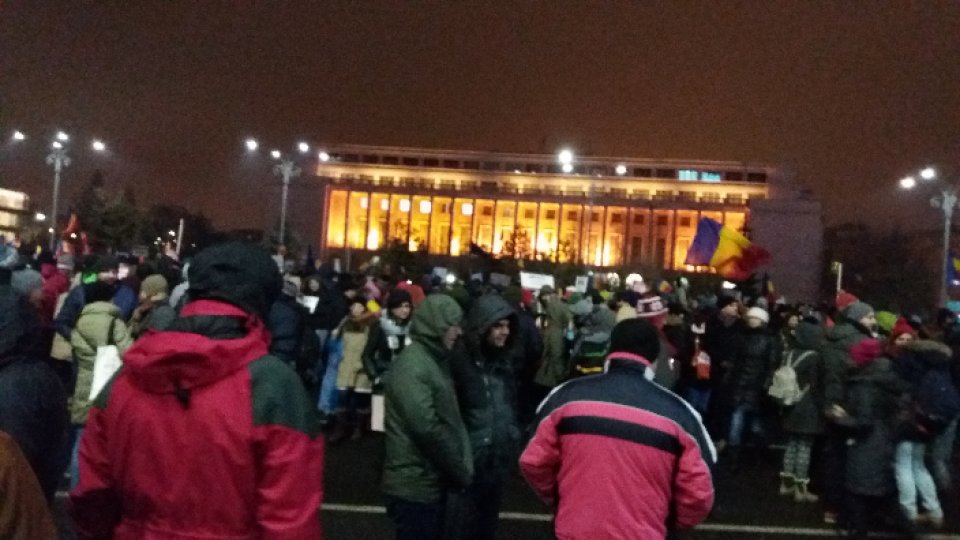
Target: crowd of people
256, 364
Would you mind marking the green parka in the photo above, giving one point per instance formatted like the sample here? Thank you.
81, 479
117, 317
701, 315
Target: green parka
428, 449
92, 331
554, 367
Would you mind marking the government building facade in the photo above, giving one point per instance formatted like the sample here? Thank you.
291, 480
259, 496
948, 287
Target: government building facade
602, 212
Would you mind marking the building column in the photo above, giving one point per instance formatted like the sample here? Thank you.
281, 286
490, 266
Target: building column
325, 204
556, 255
366, 233
673, 240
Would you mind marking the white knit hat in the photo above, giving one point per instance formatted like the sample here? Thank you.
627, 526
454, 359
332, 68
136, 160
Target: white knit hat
758, 313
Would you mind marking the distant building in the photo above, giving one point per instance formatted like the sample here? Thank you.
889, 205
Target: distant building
13, 212
604, 212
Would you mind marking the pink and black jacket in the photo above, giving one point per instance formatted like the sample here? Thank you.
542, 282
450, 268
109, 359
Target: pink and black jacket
620, 457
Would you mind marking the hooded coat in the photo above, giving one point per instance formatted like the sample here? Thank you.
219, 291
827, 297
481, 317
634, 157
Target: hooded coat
554, 367
756, 357
836, 358
201, 434
486, 389
805, 417
427, 446
924, 367
92, 331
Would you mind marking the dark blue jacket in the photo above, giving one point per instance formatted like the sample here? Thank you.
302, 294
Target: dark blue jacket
125, 299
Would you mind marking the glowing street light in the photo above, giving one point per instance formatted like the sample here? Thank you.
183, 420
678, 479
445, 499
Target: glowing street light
567, 167
39, 216
303, 147
172, 232
565, 157
57, 145
908, 182
98, 145
324, 157
252, 145
945, 201
275, 154
19, 135
928, 173
63, 137
621, 169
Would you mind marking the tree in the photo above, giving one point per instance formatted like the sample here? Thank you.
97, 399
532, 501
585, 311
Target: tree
91, 204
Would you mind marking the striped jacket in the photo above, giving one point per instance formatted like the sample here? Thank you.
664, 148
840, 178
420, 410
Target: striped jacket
619, 457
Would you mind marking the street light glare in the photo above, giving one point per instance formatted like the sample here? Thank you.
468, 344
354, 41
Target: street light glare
565, 157
908, 182
928, 174
40, 216
172, 232
324, 157
61, 136
303, 147
98, 146
18, 135
252, 145
621, 169
567, 168
275, 154
57, 145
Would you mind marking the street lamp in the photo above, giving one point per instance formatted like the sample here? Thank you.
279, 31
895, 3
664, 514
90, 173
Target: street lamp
275, 154
98, 145
39, 216
252, 145
324, 157
287, 170
303, 147
18, 135
59, 159
62, 137
946, 201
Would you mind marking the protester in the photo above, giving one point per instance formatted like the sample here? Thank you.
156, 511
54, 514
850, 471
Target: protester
554, 366
626, 304
755, 357
389, 336
663, 456
99, 325
855, 324
484, 373
55, 283
803, 420
720, 342
427, 446
353, 383
203, 433
867, 417
154, 311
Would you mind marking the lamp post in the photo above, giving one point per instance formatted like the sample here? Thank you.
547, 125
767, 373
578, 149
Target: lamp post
59, 159
946, 201
286, 168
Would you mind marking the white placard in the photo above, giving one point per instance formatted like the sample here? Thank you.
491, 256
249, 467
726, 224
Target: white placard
107, 363
440, 271
376, 412
500, 280
535, 282
581, 285
309, 302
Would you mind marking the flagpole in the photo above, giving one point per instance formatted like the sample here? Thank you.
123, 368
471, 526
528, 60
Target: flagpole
839, 277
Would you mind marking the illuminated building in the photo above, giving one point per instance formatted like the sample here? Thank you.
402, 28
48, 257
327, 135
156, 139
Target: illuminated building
606, 212
13, 209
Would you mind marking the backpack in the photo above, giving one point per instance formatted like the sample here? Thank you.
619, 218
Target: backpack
784, 388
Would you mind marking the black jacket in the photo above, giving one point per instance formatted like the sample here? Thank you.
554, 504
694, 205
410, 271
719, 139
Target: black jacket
386, 340
486, 389
805, 417
755, 358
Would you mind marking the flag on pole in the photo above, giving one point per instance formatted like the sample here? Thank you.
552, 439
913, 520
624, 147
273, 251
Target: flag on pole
726, 250
953, 270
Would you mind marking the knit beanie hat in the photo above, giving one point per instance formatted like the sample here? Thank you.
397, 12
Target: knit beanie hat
758, 313
725, 301
885, 321
866, 352
238, 273
635, 336
844, 299
651, 305
154, 285
857, 311
398, 297
901, 327
26, 280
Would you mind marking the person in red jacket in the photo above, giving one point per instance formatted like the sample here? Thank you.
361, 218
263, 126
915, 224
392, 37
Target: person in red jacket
202, 434
618, 456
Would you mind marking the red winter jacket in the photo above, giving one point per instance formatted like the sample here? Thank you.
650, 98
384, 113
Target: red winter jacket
54, 284
620, 457
201, 435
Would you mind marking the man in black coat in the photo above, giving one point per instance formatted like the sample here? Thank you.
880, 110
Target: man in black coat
33, 402
484, 376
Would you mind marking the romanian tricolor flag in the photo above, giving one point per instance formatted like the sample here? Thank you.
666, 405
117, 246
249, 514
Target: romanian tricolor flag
726, 250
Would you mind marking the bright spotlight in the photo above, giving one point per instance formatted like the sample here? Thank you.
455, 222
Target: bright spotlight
621, 169
567, 168
252, 145
275, 154
303, 147
61, 136
928, 174
19, 135
565, 157
908, 182
98, 145
324, 157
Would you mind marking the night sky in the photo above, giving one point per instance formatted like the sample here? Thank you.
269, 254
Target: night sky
850, 95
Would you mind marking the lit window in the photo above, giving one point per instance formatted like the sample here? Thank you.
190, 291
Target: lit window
710, 176
467, 209
385, 204
364, 203
425, 207
687, 175
404, 205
